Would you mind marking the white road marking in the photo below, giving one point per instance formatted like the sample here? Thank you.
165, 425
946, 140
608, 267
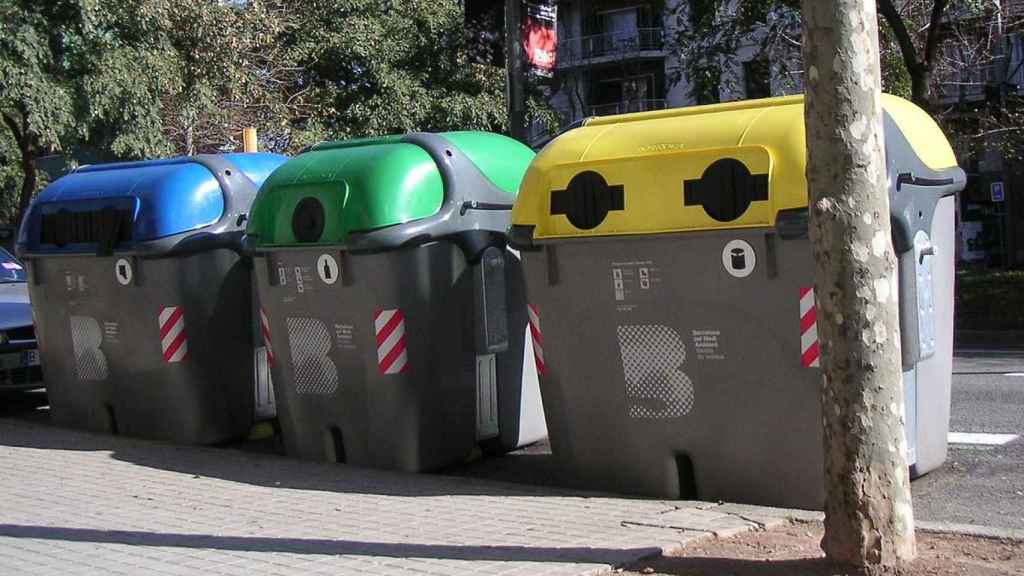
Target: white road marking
981, 438
1016, 374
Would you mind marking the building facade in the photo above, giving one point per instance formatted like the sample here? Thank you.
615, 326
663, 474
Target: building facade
620, 56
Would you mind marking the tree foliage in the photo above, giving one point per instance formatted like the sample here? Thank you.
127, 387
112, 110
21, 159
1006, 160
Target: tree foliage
97, 80
933, 52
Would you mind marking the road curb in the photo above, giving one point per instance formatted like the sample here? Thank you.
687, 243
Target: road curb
975, 530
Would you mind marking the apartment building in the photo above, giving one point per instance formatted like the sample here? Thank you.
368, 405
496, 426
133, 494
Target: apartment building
618, 56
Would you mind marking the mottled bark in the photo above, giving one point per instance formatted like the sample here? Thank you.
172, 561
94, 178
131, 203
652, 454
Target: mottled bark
868, 514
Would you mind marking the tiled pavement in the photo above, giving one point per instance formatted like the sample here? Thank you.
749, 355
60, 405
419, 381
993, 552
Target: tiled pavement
82, 504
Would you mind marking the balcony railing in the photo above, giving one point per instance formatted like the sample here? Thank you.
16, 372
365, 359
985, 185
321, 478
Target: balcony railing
622, 43
626, 107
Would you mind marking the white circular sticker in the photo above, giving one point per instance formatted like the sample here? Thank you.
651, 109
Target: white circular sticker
327, 268
738, 258
123, 272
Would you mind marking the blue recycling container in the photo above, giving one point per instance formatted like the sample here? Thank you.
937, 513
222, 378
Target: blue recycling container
142, 296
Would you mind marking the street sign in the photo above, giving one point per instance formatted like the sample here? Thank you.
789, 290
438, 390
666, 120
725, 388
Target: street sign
996, 190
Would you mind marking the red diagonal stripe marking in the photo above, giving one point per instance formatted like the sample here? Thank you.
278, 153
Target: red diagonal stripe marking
389, 328
169, 353
167, 326
539, 362
809, 355
538, 338
388, 360
805, 290
808, 320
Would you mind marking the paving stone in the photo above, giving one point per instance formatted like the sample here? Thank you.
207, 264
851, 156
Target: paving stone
770, 517
78, 504
712, 521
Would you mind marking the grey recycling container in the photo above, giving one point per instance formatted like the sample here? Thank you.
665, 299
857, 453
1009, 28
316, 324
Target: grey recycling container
396, 314
143, 302
670, 276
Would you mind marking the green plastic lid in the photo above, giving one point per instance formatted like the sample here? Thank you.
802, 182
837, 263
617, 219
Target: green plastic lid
338, 188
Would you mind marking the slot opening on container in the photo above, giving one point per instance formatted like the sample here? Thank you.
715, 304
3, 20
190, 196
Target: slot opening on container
111, 420
335, 445
686, 478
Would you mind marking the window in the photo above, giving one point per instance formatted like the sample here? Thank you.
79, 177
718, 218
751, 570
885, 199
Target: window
633, 89
620, 22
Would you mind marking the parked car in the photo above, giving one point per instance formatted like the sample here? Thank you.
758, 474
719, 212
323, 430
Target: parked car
19, 356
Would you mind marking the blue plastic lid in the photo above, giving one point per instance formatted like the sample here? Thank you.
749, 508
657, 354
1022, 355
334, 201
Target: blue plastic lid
148, 200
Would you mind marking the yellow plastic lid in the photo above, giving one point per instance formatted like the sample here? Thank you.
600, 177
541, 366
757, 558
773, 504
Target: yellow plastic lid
723, 166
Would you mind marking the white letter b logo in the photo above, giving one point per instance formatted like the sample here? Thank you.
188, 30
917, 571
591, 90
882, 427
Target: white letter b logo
652, 361
309, 342
86, 337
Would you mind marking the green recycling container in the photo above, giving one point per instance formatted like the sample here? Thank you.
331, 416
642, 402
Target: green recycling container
394, 312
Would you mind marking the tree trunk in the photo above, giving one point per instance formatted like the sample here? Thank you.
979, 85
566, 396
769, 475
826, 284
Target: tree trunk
921, 87
22, 138
868, 514
28, 184
515, 92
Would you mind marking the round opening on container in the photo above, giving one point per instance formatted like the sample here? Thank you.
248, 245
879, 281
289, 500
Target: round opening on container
587, 200
227, 172
727, 188
308, 220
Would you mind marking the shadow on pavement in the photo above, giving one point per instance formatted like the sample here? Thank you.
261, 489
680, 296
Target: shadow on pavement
325, 546
275, 471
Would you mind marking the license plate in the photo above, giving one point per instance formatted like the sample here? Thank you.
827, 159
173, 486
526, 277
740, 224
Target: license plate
30, 358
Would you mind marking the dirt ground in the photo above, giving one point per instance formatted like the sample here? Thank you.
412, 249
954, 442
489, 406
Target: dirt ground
794, 551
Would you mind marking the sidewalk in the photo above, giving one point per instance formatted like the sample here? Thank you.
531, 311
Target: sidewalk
82, 504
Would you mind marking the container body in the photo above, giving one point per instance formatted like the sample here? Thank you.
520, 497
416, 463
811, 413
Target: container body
665, 375
376, 359
167, 355
668, 261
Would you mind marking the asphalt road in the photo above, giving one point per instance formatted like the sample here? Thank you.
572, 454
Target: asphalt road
979, 484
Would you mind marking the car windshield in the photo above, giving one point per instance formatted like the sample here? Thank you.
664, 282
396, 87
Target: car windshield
10, 269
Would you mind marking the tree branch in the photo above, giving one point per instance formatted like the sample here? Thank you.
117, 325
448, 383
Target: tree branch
934, 27
994, 131
12, 123
899, 29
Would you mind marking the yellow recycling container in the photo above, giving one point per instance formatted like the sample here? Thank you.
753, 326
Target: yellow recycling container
670, 279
